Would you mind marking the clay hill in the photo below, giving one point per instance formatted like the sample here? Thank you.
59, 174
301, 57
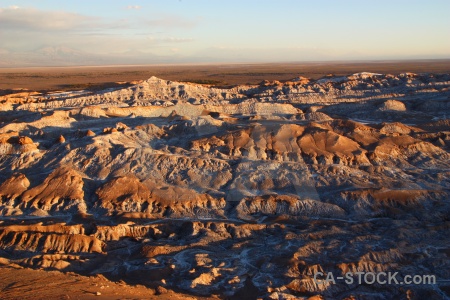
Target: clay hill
233, 193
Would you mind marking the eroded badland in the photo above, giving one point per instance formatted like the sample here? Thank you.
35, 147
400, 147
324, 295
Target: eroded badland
238, 192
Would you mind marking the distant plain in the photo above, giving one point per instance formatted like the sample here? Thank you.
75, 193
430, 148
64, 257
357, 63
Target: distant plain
99, 77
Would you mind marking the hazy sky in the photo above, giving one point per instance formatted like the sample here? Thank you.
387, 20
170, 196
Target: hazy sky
224, 31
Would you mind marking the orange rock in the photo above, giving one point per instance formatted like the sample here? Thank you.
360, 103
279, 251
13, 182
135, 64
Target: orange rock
24, 140
90, 133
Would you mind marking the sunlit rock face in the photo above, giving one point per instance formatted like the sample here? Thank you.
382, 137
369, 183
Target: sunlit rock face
240, 192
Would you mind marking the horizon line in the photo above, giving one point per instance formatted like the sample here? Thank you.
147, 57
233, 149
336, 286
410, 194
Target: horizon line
357, 61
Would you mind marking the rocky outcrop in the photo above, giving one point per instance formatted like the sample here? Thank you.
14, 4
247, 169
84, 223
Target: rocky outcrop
61, 191
126, 194
393, 105
287, 205
48, 242
12, 143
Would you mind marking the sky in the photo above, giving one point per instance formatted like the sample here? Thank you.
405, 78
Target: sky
47, 32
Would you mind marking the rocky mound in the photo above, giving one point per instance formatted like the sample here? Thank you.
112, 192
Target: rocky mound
393, 105
62, 190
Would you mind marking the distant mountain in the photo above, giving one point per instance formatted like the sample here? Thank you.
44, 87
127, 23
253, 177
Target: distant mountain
66, 56
60, 52
48, 56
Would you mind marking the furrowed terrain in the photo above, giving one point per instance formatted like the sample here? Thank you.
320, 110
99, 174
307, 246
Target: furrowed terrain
240, 192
